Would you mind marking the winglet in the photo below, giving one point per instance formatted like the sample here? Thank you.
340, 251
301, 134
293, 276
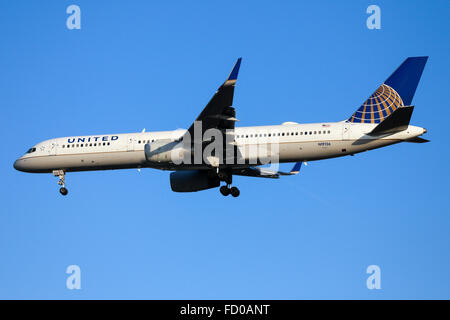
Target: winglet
296, 168
234, 73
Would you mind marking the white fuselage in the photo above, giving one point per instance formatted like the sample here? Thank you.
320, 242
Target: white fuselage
295, 142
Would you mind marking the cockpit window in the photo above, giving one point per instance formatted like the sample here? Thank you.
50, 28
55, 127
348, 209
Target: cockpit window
31, 150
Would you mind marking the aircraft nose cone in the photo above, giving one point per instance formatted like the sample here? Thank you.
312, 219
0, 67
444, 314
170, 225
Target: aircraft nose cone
424, 130
18, 165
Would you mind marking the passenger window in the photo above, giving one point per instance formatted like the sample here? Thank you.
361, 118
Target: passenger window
328, 131
108, 143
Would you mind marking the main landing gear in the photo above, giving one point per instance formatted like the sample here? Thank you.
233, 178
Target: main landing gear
226, 189
62, 181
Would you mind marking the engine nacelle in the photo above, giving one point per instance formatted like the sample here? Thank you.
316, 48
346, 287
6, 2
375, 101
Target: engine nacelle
164, 151
191, 181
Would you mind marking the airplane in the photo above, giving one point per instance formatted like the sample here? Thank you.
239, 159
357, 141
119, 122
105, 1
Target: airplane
382, 120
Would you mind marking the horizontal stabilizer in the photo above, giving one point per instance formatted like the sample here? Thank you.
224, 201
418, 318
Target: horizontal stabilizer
395, 122
417, 140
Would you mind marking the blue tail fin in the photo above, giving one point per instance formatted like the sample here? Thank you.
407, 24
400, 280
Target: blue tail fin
398, 90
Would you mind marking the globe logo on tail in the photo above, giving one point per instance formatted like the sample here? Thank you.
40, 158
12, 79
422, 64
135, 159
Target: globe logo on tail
379, 106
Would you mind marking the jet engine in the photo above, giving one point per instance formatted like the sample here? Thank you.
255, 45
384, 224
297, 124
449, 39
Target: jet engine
191, 181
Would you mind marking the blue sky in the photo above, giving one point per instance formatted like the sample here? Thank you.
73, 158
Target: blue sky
154, 65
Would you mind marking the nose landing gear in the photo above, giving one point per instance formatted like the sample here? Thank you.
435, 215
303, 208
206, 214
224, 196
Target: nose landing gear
62, 181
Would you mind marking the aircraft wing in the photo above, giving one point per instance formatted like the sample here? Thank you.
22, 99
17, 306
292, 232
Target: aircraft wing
219, 113
265, 173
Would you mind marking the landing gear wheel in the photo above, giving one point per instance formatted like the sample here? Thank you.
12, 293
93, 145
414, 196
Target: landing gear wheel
235, 192
224, 190
64, 191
